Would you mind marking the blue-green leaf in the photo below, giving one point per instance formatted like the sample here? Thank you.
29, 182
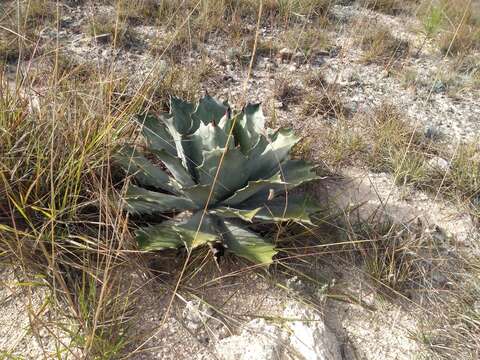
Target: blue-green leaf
142, 201
228, 212
265, 165
174, 234
296, 208
234, 162
146, 173
249, 126
210, 110
242, 242
176, 168
158, 135
182, 116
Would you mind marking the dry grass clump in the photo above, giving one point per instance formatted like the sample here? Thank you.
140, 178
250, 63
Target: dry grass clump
452, 331
243, 52
9, 47
460, 41
385, 141
325, 103
469, 67
184, 81
380, 46
395, 146
392, 7
265, 47
464, 175
454, 23
19, 31
308, 41
37, 13
389, 254
287, 92
106, 29
343, 145
58, 213
138, 12
173, 45
295, 8
315, 79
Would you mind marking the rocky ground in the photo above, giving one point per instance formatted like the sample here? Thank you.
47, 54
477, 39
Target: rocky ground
341, 314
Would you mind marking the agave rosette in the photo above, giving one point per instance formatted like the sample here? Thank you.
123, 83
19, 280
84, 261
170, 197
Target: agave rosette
251, 186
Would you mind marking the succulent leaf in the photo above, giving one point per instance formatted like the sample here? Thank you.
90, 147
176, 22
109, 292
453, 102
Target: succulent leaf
199, 195
210, 110
144, 172
292, 208
247, 244
297, 172
228, 212
252, 188
251, 184
234, 162
176, 168
249, 127
174, 234
142, 201
158, 135
212, 137
182, 116
191, 154
267, 163
158, 237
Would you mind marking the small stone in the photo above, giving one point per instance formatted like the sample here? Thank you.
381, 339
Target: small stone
258, 341
433, 133
439, 164
476, 306
295, 284
439, 87
309, 336
196, 314
285, 54
269, 66
438, 279
298, 57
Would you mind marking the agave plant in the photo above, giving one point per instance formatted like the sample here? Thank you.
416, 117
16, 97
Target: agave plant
205, 203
